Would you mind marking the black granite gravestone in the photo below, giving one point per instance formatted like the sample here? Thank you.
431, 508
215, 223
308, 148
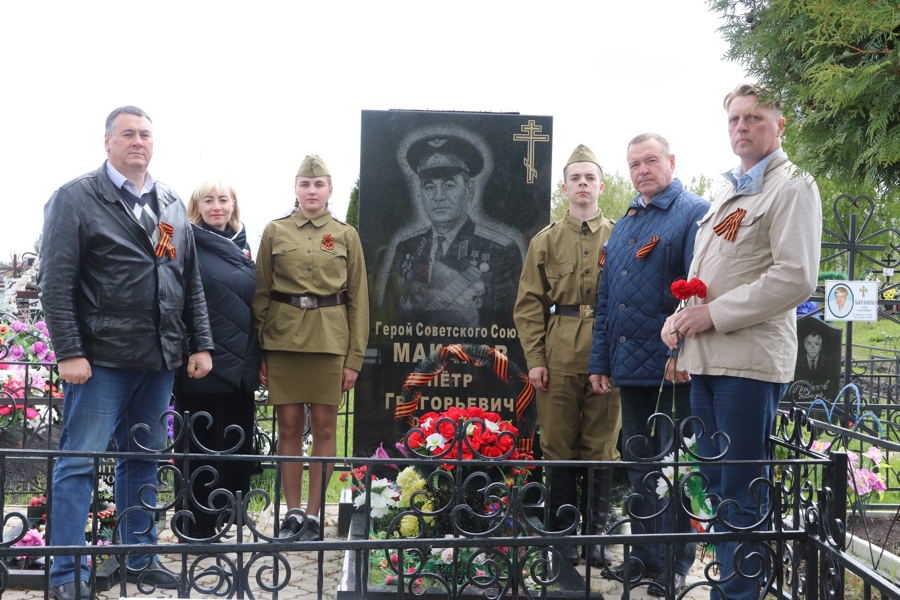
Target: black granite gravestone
818, 360
448, 203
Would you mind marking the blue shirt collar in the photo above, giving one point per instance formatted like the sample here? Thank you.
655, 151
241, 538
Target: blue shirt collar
741, 179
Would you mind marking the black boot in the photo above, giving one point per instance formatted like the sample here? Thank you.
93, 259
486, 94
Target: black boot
596, 513
563, 492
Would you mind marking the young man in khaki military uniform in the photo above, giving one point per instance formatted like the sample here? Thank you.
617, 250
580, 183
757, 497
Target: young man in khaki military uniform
554, 315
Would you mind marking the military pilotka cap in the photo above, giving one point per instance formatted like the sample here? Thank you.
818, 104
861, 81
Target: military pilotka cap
313, 166
583, 154
437, 156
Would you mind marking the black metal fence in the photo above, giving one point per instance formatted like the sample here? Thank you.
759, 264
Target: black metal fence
478, 527
822, 534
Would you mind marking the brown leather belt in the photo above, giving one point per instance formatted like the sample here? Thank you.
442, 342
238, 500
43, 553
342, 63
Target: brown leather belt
582, 311
308, 300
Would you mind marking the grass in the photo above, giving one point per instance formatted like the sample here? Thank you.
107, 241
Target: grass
853, 589
883, 333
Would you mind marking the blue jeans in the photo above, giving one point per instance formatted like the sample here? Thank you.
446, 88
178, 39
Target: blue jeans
111, 402
638, 403
744, 409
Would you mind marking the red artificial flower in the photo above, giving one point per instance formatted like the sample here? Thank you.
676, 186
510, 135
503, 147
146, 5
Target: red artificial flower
479, 413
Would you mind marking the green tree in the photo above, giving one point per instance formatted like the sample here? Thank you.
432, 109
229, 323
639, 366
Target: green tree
353, 208
834, 66
617, 193
703, 187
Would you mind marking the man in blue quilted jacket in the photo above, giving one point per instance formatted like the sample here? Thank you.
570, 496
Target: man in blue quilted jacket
650, 247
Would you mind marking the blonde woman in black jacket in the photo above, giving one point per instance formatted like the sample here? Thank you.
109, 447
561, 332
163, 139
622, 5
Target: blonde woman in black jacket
227, 393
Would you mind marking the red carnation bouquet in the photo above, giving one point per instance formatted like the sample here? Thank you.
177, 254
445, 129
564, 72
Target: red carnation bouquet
683, 290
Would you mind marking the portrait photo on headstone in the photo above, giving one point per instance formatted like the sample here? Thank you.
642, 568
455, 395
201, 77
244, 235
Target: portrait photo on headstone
448, 202
818, 360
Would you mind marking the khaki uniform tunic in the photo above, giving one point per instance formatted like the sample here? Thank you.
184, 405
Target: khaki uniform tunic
293, 259
562, 268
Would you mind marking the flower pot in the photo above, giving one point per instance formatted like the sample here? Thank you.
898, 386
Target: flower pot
35, 514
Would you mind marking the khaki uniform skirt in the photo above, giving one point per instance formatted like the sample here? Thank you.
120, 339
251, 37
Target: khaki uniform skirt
304, 377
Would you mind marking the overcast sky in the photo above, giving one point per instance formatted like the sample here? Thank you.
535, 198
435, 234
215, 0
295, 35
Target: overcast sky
244, 91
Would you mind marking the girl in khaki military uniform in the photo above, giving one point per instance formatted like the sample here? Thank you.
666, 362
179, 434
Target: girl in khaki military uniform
311, 312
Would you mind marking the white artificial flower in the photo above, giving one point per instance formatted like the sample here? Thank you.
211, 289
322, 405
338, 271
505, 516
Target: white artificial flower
489, 425
104, 488
435, 441
447, 556
383, 497
662, 488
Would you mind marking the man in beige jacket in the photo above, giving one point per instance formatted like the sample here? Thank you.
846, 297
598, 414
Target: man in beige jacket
758, 252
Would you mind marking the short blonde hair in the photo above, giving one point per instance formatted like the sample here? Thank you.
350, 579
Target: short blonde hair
752, 89
203, 190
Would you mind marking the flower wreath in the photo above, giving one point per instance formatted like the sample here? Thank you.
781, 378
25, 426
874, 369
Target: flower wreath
479, 356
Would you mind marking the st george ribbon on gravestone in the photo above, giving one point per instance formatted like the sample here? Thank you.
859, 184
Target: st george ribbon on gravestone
448, 202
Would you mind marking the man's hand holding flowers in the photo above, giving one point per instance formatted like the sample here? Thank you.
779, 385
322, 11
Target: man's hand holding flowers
686, 321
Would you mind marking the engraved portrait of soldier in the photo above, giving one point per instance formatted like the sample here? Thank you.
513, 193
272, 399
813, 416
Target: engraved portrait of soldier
451, 258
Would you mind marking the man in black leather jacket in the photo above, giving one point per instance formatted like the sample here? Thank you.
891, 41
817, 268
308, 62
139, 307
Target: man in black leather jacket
120, 290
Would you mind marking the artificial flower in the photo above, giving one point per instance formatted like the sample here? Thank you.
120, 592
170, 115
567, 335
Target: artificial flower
874, 454
383, 498
435, 441
32, 537
409, 526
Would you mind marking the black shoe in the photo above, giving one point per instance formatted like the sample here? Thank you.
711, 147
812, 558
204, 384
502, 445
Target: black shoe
156, 575
66, 591
311, 532
598, 556
595, 500
290, 527
638, 572
657, 587
569, 554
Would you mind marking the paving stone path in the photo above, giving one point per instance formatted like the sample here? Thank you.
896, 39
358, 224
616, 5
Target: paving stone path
304, 573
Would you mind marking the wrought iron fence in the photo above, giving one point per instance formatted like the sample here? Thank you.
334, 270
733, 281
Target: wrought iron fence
502, 539
799, 547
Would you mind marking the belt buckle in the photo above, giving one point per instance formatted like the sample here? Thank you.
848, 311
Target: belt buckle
587, 311
307, 302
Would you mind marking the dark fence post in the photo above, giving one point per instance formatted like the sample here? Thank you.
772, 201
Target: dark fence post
832, 508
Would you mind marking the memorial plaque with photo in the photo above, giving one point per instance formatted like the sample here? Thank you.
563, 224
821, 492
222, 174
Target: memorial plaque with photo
818, 360
447, 205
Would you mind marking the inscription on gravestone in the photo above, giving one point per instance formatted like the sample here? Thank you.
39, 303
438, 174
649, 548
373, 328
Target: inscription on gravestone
818, 360
448, 202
